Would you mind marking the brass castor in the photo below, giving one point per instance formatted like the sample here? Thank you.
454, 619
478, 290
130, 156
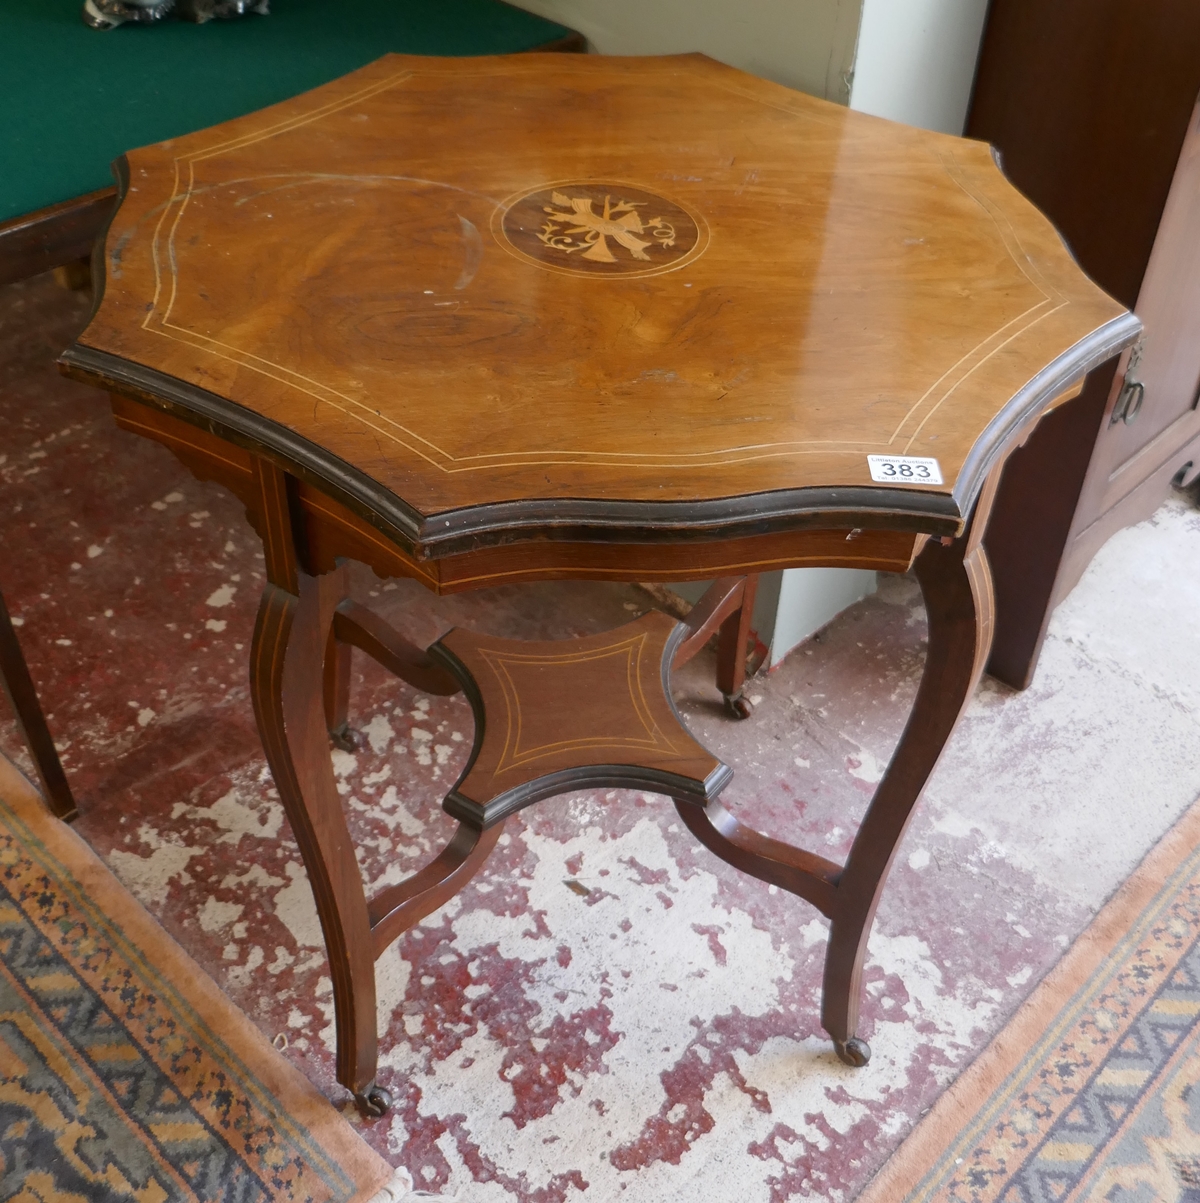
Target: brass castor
738, 706
347, 738
373, 1102
854, 1051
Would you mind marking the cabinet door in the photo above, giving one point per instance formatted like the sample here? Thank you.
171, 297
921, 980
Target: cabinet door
1152, 412
1088, 101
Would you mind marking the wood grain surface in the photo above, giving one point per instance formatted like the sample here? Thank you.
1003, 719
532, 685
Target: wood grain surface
533, 739
488, 299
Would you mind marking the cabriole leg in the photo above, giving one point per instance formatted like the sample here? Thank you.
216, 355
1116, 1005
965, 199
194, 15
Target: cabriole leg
957, 587
287, 674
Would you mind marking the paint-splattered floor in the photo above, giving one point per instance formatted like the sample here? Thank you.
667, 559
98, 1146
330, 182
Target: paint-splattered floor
655, 1037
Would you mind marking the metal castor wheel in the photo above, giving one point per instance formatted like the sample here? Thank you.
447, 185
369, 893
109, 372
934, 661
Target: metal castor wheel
347, 738
738, 706
854, 1051
374, 1102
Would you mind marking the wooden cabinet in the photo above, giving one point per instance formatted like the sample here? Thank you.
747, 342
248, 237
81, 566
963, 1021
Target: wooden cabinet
1093, 107
1151, 431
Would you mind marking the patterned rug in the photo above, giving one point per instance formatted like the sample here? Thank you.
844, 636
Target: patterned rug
124, 1073
1090, 1092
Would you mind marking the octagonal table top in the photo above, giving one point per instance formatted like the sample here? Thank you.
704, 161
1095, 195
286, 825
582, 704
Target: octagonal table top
491, 297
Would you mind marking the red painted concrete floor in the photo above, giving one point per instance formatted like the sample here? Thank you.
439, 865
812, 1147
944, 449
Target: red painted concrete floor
655, 1037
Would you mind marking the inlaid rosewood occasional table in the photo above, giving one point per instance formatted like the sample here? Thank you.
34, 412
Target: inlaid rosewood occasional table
490, 320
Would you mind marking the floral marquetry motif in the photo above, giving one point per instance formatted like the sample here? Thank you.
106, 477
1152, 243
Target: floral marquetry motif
601, 229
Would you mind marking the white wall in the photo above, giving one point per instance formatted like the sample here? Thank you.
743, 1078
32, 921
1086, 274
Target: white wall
809, 598
805, 44
916, 60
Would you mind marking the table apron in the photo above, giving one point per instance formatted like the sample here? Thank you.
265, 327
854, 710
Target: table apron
331, 531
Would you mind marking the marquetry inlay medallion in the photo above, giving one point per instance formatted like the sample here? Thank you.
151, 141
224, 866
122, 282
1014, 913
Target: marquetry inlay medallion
599, 228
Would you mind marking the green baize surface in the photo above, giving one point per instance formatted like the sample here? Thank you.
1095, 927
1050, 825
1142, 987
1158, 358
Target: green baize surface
75, 98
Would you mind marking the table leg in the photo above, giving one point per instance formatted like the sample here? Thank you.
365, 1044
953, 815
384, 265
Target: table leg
957, 586
287, 666
731, 652
18, 688
337, 694
299, 679
289, 672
